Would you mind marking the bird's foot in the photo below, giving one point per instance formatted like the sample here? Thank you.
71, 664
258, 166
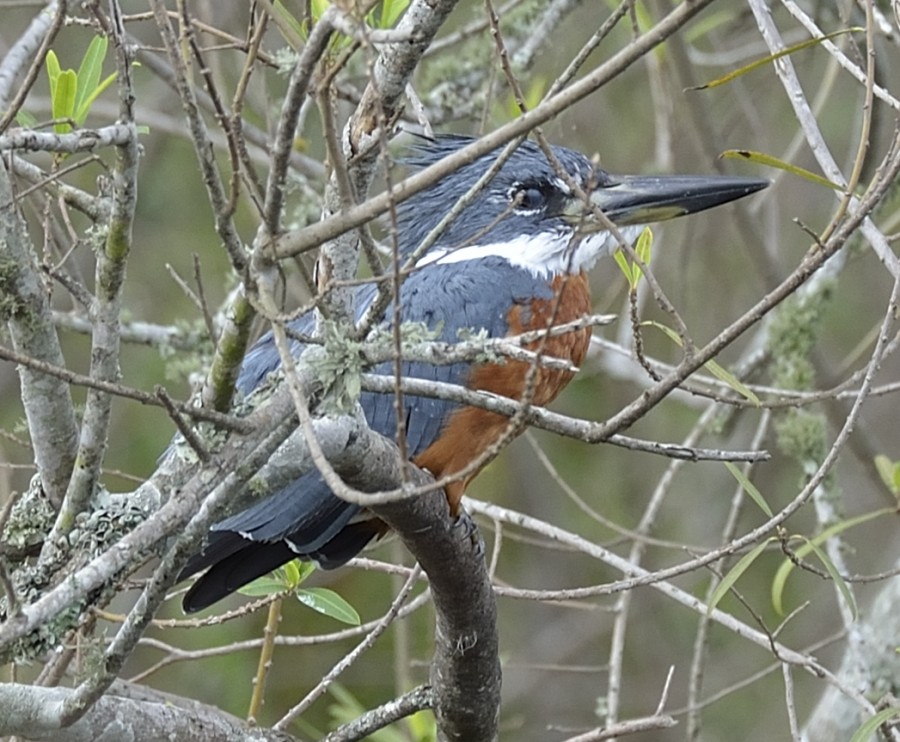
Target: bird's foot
470, 531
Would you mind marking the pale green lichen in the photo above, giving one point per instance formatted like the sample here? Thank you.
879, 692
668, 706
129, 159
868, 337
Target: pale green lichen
107, 521
793, 335
801, 432
95, 236
338, 367
30, 519
258, 487
285, 60
10, 305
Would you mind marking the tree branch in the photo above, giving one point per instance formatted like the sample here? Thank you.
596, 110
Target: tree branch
36, 713
465, 669
25, 308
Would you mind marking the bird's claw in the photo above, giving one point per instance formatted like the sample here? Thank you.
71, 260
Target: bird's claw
470, 531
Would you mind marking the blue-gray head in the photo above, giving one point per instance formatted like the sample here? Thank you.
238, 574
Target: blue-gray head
531, 215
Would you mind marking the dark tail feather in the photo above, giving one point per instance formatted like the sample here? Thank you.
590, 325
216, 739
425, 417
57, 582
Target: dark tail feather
246, 562
236, 561
348, 543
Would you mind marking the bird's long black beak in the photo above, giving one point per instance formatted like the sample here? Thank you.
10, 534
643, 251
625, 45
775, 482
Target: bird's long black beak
639, 199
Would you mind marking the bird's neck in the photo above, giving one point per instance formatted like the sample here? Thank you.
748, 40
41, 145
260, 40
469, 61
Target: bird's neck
544, 255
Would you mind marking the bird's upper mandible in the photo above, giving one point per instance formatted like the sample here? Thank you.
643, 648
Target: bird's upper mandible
540, 210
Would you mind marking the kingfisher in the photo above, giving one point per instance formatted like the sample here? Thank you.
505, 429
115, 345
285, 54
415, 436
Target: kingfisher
514, 260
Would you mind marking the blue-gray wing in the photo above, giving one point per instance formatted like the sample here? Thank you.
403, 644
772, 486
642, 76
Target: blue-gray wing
450, 299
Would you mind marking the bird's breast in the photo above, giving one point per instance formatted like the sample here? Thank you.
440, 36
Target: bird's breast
470, 430
570, 300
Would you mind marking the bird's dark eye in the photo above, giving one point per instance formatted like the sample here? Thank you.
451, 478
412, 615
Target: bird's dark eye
528, 198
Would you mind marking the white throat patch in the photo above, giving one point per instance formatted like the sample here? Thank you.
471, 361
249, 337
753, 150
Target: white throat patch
544, 255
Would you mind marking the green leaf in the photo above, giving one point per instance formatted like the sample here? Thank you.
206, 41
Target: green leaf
306, 569
734, 575
63, 101
868, 729
706, 24
760, 158
623, 263
787, 566
291, 573
391, 10
25, 120
716, 369
347, 708
772, 57
51, 62
423, 726
836, 576
749, 488
284, 579
89, 76
724, 375
328, 603
294, 572
292, 30
318, 8
82, 113
643, 248
263, 586
890, 473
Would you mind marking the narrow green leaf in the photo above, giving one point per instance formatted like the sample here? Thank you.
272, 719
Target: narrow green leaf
623, 263
534, 94
51, 62
391, 10
643, 247
63, 101
82, 113
89, 75
724, 375
715, 368
306, 569
867, 730
347, 704
734, 575
292, 30
291, 574
889, 472
423, 726
328, 603
761, 158
706, 24
836, 576
779, 581
771, 58
787, 566
749, 488
25, 120
263, 586
318, 8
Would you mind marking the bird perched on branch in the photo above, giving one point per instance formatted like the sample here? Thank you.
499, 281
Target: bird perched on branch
514, 260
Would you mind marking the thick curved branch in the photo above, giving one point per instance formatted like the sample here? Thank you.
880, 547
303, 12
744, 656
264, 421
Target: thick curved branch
465, 670
25, 308
35, 713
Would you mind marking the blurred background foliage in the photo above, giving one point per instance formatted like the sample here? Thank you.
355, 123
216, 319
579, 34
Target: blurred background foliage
713, 266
